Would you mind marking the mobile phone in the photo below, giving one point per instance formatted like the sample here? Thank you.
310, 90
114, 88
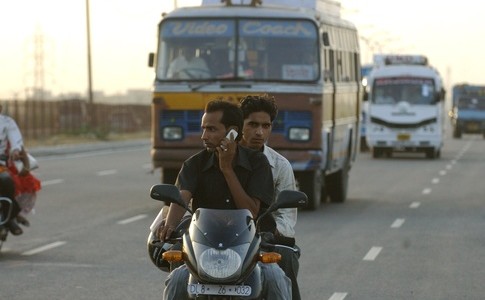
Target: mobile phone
233, 133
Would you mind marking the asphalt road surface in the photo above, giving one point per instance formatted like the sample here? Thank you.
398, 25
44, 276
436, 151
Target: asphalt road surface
412, 228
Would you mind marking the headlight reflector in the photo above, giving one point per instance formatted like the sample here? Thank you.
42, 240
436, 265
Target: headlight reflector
220, 263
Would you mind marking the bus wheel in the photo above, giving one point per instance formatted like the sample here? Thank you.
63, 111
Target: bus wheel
457, 133
377, 152
310, 182
337, 184
169, 175
431, 153
363, 144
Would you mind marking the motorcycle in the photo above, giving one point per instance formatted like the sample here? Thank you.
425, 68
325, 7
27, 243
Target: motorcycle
221, 248
4, 217
27, 186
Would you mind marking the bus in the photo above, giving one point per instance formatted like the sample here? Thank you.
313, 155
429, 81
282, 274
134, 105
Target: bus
468, 109
406, 107
307, 59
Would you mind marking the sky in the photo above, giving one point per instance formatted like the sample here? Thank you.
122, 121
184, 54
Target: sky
123, 32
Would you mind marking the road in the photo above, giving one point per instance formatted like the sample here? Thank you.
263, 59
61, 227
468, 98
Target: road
412, 228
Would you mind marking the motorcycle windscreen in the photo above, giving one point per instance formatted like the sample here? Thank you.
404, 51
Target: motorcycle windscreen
213, 226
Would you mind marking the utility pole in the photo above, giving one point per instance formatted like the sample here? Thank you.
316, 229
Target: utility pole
39, 83
90, 81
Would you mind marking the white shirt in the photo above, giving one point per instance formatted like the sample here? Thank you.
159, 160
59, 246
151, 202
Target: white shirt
9, 132
183, 69
284, 179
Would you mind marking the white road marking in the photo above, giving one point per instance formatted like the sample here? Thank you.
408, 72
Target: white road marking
61, 264
44, 248
338, 296
426, 191
442, 172
449, 167
132, 219
435, 180
415, 205
372, 254
107, 172
51, 182
397, 223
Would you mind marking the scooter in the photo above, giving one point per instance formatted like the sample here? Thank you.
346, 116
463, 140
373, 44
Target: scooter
4, 217
221, 248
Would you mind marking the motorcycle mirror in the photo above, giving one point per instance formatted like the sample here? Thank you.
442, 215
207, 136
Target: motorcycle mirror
291, 199
168, 193
287, 199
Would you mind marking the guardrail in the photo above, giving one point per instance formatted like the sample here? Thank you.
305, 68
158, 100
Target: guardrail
41, 119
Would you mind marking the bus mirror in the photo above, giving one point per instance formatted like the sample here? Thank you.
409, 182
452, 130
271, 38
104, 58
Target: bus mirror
439, 96
151, 59
325, 39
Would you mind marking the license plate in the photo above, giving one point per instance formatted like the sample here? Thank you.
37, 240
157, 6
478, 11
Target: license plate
403, 137
216, 289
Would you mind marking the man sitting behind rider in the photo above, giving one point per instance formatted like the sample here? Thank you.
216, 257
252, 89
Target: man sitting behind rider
223, 176
259, 114
187, 65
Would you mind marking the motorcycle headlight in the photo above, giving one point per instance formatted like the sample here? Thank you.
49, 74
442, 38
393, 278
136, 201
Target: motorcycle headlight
220, 264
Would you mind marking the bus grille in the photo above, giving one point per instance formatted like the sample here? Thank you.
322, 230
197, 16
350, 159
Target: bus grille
189, 120
287, 119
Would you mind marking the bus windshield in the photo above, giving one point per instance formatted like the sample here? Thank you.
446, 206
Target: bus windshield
218, 49
411, 90
475, 103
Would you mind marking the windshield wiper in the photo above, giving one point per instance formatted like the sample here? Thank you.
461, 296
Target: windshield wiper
198, 87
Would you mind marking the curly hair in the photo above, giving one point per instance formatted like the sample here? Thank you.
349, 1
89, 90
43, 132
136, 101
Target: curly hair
257, 103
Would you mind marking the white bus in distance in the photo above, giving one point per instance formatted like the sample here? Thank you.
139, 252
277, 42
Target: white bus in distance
406, 107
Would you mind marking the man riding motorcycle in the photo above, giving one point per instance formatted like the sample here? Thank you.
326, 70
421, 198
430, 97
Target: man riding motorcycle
223, 176
16, 182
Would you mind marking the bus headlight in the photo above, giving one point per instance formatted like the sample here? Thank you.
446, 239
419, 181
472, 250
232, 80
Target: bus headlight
299, 134
172, 133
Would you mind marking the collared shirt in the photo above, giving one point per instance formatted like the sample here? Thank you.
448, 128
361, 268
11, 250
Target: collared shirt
9, 133
200, 174
284, 179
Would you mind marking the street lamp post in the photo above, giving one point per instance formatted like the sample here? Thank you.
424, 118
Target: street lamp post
92, 116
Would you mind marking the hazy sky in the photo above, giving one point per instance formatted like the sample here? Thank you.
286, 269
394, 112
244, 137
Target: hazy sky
123, 32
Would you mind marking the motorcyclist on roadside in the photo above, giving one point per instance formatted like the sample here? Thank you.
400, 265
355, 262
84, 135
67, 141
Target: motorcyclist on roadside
11, 148
259, 113
223, 176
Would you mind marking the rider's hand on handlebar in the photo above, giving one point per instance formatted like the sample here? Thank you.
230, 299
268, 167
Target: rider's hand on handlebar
164, 231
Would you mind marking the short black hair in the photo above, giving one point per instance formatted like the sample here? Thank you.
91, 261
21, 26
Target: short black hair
257, 103
231, 113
